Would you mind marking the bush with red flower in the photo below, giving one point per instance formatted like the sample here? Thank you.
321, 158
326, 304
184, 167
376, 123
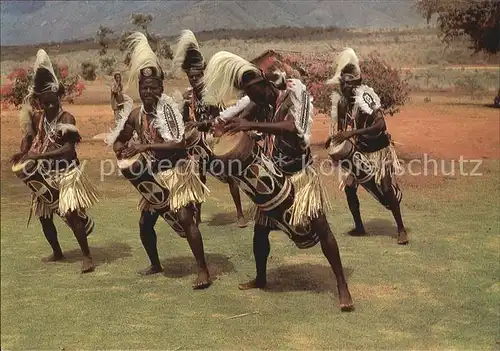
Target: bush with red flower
316, 68
20, 80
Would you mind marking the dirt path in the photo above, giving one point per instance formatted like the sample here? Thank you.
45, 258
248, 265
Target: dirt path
444, 131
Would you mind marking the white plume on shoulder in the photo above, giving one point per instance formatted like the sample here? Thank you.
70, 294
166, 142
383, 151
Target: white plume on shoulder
25, 118
223, 73
123, 115
186, 40
343, 59
43, 61
142, 56
303, 108
366, 99
334, 114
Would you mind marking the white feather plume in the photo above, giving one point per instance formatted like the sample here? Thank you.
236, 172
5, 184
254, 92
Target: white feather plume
123, 115
186, 40
25, 118
235, 109
343, 59
334, 114
43, 61
142, 56
223, 72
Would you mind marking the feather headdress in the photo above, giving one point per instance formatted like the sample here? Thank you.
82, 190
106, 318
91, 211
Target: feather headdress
187, 53
143, 61
45, 78
346, 57
224, 77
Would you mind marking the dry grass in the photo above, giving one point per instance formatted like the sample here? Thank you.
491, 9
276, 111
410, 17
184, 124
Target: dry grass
402, 48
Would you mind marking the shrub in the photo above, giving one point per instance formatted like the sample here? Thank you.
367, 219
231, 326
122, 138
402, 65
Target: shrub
387, 82
316, 69
471, 84
108, 64
164, 50
88, 71
20, 80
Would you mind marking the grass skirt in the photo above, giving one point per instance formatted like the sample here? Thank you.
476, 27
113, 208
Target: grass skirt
76, 193
184, 185
384, 162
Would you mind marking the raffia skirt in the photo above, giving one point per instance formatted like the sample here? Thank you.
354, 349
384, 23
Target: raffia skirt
76, 193
384, 163
184, 185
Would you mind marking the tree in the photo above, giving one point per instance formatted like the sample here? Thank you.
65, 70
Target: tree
479, 20
108, 64
102, 38
143, 23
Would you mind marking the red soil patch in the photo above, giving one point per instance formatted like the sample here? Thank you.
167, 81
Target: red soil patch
442, 131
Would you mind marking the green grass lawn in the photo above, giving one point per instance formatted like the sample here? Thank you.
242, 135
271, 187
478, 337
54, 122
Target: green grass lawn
441, 291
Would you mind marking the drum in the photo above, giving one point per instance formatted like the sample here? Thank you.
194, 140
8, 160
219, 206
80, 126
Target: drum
138, 172
352, 161
197, 144
39, 181
262, 182
235, 152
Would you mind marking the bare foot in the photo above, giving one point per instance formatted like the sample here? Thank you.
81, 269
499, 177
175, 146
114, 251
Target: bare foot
242, 222
151, 270
252, 284
357, 232
403, 237
345, 300
54, 257
202, 281
87, 265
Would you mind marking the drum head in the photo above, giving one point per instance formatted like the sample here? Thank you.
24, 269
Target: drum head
128, 162
227, 143
340, 150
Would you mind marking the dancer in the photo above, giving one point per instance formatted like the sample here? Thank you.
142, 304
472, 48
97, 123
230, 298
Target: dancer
285, 119
357, 115
49, 165
160, 128
189, 58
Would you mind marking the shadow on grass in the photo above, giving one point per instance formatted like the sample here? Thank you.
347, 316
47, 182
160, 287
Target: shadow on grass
304, 277
177, 267
100, 255
382, 227
221, 219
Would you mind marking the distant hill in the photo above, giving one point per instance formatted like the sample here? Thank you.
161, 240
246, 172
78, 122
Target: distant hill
31, 22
